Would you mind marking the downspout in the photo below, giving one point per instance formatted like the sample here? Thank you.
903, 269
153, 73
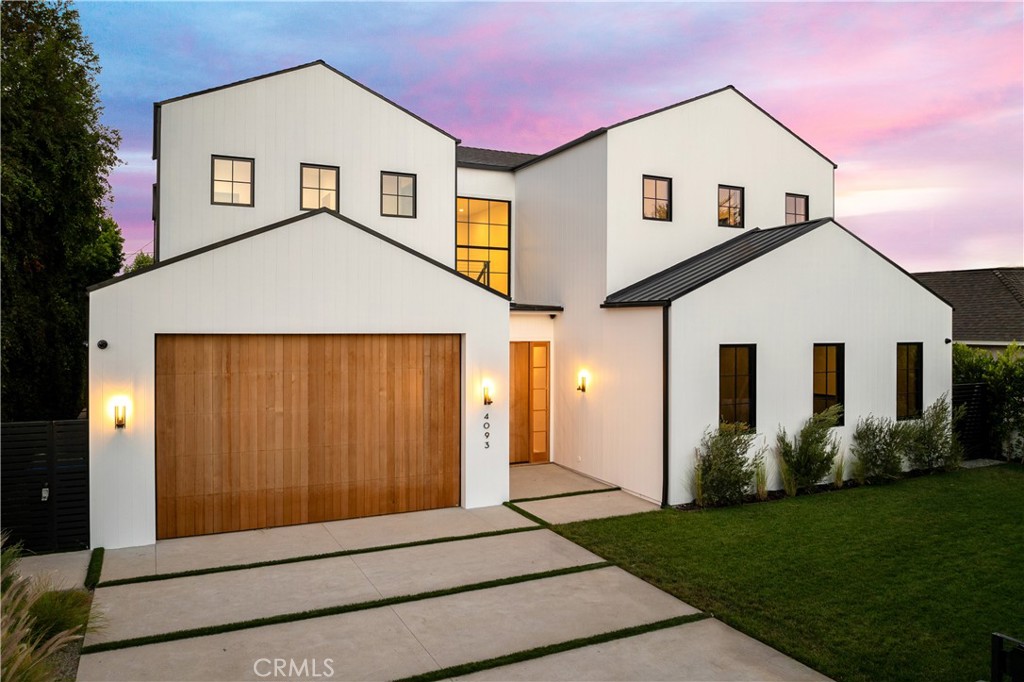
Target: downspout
664, 405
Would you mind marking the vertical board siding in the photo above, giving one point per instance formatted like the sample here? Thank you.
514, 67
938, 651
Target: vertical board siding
255, 431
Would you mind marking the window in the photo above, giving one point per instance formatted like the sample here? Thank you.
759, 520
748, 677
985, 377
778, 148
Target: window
231, 182
657, 198
318, 186
482, 241
796, 208
398, 194
829, 377
908, 380
736, 394
730, 206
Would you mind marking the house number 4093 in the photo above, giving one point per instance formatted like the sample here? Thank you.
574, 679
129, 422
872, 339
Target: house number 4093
487, 431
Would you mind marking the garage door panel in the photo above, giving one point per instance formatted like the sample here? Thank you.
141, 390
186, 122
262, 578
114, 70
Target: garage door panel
257, 431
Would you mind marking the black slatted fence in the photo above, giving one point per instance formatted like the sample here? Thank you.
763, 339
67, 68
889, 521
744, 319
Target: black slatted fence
44, 484
974, 429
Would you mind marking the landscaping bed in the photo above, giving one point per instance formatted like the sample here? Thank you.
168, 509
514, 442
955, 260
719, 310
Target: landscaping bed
903, 581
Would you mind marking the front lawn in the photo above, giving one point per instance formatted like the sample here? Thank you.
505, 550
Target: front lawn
896, 582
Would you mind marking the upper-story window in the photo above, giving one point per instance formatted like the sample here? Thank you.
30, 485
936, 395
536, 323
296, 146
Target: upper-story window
318, 186
657, 198
398, 194
482, 241
231, 181
908, 380
829, 376
796, 208
730, 206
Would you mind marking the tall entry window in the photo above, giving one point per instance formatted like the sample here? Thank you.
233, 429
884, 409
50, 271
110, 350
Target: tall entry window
482, 241
736, 392
908, 380
829, 377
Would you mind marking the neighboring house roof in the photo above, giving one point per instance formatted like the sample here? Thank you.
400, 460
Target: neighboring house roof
288, 221
661, 288
989, 303
601, 131
489, 159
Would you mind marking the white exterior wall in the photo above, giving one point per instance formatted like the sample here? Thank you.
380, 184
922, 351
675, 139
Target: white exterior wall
613, 432
310, 115
487, 184
824, 287
319, 275
720, 139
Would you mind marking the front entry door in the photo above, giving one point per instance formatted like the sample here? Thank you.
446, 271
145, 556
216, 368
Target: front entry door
529, 364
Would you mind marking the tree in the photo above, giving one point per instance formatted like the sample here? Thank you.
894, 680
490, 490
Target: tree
56, 236
142, 261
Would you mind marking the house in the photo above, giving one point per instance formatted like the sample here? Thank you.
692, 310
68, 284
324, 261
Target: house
988, 304
353, 314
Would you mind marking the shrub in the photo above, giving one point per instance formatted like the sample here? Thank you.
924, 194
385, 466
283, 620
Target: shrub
788, 482
931, 443
1004, 374
723, 471
877, 445
838, 472
810, 455
760, 478
57, 611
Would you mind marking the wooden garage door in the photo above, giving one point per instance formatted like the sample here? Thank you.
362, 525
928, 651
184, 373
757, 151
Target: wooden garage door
254, 431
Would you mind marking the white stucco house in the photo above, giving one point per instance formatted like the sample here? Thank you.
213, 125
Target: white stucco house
352, 314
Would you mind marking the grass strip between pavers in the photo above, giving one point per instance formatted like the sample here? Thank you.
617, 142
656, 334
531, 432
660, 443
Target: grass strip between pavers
547, 650
92, 574
310, 557
574, 493
519, 510
334, 610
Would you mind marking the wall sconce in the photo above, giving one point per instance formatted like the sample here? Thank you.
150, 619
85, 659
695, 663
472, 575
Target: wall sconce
582, 381
488, 392
120, 411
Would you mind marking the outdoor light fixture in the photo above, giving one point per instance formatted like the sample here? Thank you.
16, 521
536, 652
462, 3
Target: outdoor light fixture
120, 410
488, 392
582, 380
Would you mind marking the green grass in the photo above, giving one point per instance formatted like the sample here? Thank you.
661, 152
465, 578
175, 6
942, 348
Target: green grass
895, 582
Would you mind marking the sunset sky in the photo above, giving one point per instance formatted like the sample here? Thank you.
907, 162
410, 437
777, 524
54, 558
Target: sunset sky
920, 104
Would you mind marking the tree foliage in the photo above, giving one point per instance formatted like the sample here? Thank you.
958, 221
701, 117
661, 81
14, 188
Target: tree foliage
142, 261
57, 237
1004, 374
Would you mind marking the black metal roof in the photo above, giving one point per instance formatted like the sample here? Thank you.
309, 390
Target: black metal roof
988, 303
664, 287
490, 159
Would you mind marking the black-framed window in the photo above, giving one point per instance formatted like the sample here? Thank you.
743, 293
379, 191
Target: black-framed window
730, 206
797, 208
318, 187
829, 377
657, 198
736, 384
231, 180
482, 241
909, 358
397, 194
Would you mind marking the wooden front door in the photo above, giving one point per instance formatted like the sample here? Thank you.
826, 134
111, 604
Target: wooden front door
529, 371
255, 431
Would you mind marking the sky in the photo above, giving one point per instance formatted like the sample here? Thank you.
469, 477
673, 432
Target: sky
920, 104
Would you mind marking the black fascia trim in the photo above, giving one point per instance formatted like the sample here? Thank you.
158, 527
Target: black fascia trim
252, 180
894, 264
324, 166
535, 308
653, 303
157, 122
484, 166
318, 62
664, 406
558, 150
415, 193
288, 221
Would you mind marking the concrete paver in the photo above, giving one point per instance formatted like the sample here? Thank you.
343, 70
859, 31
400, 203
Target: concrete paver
63, 571
583, 507
477, 625
707, 650
393, 529
538, 480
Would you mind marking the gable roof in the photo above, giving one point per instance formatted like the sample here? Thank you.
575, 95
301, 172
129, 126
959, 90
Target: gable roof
989, 303
664, 287
601, 131
288, 221
489, 159
318, 62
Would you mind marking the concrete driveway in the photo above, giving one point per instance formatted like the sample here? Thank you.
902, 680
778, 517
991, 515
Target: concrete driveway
471, 585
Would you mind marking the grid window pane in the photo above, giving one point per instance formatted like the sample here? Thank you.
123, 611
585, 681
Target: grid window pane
329, 199
828, 376
796, 208
657, 198
242, 193
398, 195
319, 187
482, 241
231, 181
736, 383
389, 205
222, 169
405, 185
730, 206
908, 380
389, 184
